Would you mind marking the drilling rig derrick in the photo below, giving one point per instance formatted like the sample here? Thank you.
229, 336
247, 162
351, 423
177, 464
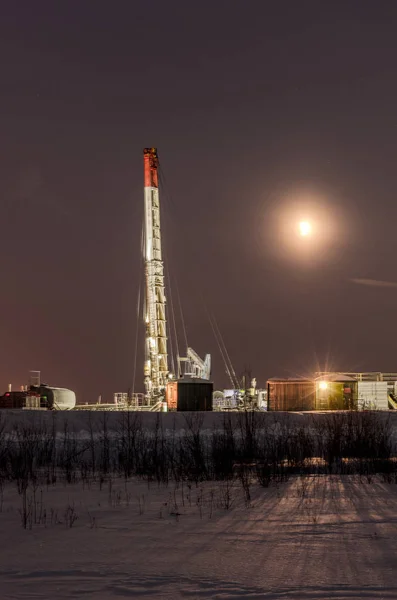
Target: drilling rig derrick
156, 359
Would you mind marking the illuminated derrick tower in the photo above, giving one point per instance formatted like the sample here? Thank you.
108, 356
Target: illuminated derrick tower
156, 361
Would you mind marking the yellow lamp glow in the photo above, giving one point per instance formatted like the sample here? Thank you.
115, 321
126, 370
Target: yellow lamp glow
305, 228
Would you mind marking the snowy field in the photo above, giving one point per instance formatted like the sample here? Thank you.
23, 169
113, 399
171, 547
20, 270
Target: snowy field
310, 537
110, 505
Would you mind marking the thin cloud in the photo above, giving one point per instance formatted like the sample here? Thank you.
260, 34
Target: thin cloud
375, 283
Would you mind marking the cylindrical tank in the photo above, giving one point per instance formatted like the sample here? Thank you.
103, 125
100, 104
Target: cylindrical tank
58, 398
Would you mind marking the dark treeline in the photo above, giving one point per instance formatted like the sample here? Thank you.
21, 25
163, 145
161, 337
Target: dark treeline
269, 448
246, 448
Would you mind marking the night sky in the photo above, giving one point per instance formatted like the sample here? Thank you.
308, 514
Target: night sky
263, 112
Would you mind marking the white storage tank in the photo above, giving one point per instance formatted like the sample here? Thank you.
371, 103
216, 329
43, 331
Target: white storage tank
58, 398
372, 395
63, 399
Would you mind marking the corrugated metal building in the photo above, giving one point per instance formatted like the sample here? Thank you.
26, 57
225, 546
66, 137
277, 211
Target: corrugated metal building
373, 395
333, 391
336, 391
376, 390
293, 394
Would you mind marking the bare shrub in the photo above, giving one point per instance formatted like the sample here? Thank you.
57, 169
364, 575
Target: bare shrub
92, 520
141, 504
70, 516
226, 494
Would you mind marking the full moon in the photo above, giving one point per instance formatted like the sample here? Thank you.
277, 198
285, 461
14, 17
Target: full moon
305, 228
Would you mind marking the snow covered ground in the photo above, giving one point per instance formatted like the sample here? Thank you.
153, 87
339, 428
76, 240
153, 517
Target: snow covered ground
313, 537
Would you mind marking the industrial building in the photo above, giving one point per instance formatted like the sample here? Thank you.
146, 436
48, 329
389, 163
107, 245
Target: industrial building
294, 394
189, 395
334, 391
42, 397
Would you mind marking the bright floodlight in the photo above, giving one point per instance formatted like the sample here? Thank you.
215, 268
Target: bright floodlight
323, 385
305, 228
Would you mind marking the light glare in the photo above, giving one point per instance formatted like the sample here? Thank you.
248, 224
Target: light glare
305, 228
323, 385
